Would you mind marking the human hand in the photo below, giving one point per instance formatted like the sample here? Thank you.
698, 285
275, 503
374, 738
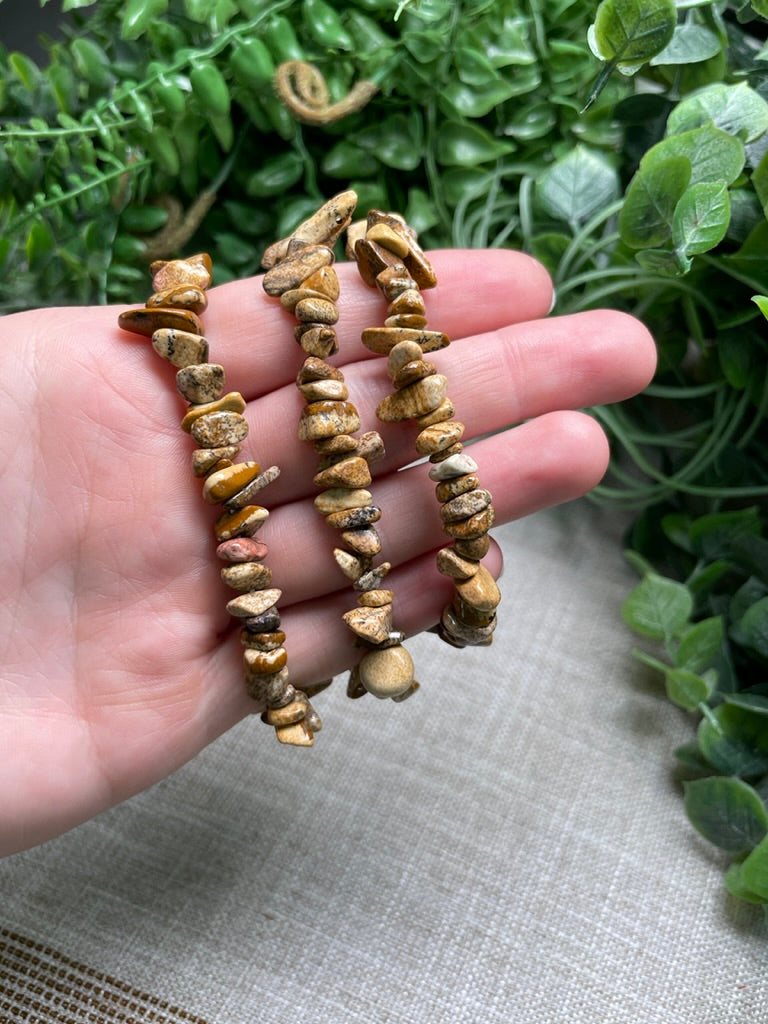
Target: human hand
120, 661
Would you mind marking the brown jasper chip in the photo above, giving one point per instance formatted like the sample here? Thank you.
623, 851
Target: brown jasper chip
480, 591
182, 297
180, 348
415, 400
382, 340
446, 453
337, 499
225, 482
386, 673
326, 281
450, 563
371, 624
354, 518
461, 635
341, 444
200, 383
372, 259
298, 735
411, 320
439, 437
316, 369
264, 663
363, 541
465, 505
376, 598
273, 690
473, 547
470, 616
444, 411
251, 489
475, 526
319, 311
382, 234
371, 580
296, 268
288, 714
355, 688
244, 576
206, 460
256, 603
409, 301
370, 446
352, 472
242, 523
458, 485
324, 391
262, 641
411, 372
265, 622
219, 428
401, 354
242, 549
419, 267
232, 402
352, 566
318, 341
325, 419
195, 271
394, 281
290, 299
147, 321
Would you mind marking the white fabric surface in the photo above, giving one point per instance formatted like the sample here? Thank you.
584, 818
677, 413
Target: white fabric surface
507, 847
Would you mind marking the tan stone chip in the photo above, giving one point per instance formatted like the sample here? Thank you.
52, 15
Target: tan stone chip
415, 400
255, 603
203, 382
296, 268
370, 624
382, 340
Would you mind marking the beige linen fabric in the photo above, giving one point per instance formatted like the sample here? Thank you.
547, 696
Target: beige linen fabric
508, 847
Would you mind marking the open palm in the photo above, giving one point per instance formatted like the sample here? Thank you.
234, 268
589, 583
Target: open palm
119, 660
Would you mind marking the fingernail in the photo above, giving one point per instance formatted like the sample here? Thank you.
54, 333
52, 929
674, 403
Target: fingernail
553, 302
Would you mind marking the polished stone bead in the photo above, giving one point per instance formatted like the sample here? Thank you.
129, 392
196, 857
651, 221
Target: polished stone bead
265, 622
354, 518
371, 580
147, 321
195, 271
318, 311
408, 301
383, 235
242, 523
415, 400
375, 598
351, 472
454, 487
412, 372
288, 714
371, 624
264, 663
444, 411
262, 641
275, 690
475, 526
439, 437
393, 281
244, 576
450, 563
297, 735
251, 489
362, 541
231, 402
458, 465
446, 453
180, 348
470, 616
207, 460
480, 591
401, 354
353, 566
355, 232
325, 281
473, 547
334, 448
245, 606
372, 259
242, 549
386, 673
317, 340
180, 297
413, 321
325, 419
461, 635
370, 446
382, 340
314, 368
290, 299
201, 383
465, 505
222, 484
324, 391
219, 428
336, 499
419, 267
355, 688
296, 268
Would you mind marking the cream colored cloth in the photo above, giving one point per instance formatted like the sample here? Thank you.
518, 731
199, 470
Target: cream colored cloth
507, 847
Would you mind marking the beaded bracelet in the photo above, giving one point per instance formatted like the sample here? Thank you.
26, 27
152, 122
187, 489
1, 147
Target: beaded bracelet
389, 258
215, 420
300, 273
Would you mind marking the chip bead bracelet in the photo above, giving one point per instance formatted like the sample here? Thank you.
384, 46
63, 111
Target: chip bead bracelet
171, 317
389, 258
300, 272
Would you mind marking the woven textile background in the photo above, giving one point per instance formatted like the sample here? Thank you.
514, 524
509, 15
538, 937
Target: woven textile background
508, 847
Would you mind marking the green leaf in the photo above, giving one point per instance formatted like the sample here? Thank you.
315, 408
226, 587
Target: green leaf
578, 185
689, 44
734, 741
726, 811
138, 15
701, 218
397, 141
658, 607
754, 627
662, 262
630, 32
701, 644
646, 217
688, 689
40, 242
736, 109
756, 702
465, 145
476, 100
761, 301
736, 886
754, 870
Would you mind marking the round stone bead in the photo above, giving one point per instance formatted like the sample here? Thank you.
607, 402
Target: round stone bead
386, 673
